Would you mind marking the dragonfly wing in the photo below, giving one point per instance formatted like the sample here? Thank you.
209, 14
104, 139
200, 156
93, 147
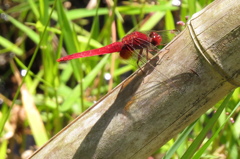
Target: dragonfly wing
126, 52
167, 35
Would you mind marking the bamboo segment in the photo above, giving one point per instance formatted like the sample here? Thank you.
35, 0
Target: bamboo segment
197, 69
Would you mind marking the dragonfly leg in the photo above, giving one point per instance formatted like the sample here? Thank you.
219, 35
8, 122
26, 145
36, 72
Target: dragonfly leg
147, 53
139, 58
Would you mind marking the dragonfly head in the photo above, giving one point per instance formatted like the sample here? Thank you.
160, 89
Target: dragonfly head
156, 39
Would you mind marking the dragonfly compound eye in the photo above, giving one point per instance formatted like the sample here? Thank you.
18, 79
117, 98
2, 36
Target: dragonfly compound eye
156, 39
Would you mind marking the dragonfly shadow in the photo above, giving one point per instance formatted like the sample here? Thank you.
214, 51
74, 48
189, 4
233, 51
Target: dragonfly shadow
129, 93
90, 143
159, 88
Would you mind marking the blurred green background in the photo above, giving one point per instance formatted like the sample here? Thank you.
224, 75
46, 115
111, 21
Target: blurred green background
39, 96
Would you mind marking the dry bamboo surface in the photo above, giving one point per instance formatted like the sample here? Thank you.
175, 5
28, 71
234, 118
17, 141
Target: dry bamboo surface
197, 69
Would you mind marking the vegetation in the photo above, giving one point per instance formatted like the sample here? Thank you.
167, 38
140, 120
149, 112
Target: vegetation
39, 96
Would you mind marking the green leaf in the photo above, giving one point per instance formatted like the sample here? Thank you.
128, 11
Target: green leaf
10, 47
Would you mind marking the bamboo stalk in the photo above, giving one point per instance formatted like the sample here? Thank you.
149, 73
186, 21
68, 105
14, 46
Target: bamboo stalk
197, 69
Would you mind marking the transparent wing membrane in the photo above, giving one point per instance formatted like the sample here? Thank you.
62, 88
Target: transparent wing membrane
146, 51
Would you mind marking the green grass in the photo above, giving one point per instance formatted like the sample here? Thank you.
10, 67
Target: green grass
41, 32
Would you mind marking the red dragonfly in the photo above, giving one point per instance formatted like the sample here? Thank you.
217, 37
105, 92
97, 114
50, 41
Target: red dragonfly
145, 43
